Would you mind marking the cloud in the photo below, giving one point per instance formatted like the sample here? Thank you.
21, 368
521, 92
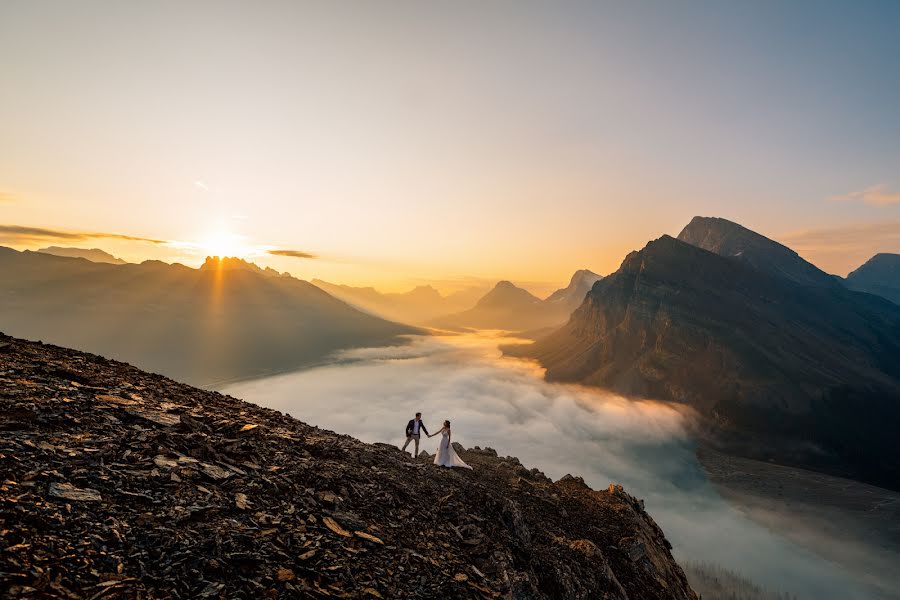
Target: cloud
504, 403
877, 195
292, 253
842, 249
23, 234
7, 198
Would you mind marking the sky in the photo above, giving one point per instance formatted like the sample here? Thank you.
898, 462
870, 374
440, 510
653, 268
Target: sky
403, 142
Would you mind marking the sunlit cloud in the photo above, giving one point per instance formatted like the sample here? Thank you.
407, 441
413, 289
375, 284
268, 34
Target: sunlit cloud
7, 198
19, 234
877, 195
292, 253
201, 185
842, 249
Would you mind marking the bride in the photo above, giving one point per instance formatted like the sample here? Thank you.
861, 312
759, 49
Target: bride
446, 456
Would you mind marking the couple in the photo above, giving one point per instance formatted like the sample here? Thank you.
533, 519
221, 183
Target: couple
446, 456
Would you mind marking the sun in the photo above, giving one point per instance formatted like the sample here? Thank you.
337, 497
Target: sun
225, 243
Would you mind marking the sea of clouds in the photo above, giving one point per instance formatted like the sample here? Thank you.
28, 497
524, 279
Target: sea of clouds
504, 403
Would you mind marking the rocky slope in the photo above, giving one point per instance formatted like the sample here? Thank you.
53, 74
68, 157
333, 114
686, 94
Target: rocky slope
121, 484
726, 238
805, 374
227, 320
879, 275
570, 297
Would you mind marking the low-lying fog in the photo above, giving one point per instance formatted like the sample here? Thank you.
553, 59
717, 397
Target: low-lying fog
505, 404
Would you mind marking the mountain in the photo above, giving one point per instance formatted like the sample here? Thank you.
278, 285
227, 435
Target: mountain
506, 306
512, 308
93, 255
416, 306
571, 296
230, 263
198, 325
732, 240
784, 370
131, 484
879, 275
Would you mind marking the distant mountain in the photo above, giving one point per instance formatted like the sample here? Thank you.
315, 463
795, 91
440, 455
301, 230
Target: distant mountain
782, 369
197, 325
229, 263
879, 275
736, 241
94, 254
416, 306
571, 296
513, 308
506, 306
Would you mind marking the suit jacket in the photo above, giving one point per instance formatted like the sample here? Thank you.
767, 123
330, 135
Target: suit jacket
411, 424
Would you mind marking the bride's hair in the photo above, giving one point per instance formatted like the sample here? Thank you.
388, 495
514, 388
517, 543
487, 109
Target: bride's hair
446, 423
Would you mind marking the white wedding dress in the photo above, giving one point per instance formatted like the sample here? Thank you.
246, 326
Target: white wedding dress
446, 456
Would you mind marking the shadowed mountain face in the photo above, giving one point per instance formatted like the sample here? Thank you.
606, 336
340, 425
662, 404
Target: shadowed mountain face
808, 374
736, 241
513, 308
880, 275
94, 254
416, 306
198, 325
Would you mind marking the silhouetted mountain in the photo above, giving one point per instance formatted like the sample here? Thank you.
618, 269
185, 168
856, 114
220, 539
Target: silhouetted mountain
799, 373
230, 263
736, 241
506, 306
513, 308
879, 275
571, 296
198, 325
94, 254
416, 306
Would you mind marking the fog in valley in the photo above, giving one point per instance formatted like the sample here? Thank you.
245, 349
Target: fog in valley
504, 403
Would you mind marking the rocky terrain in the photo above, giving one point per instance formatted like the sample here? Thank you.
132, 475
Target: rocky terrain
780, 364
117, 483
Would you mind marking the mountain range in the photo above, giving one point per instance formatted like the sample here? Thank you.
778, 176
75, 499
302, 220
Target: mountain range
510, 307
778, 358
92, 254
228, 319
417, 306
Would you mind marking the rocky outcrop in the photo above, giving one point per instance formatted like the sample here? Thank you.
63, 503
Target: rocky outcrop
784, 370
880, 275
119, 483
570, 297
725, 238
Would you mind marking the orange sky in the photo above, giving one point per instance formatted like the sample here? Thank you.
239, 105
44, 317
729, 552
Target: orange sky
433, 142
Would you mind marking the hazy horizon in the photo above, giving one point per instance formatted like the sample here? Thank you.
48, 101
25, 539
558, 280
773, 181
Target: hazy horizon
384, 145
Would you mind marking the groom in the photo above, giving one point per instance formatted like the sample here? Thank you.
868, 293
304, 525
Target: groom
412, 433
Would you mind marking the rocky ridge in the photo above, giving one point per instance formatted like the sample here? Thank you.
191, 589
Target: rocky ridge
117, 483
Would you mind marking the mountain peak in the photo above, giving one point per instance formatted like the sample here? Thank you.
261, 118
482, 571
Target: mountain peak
93, 254
507, 293
730, 239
